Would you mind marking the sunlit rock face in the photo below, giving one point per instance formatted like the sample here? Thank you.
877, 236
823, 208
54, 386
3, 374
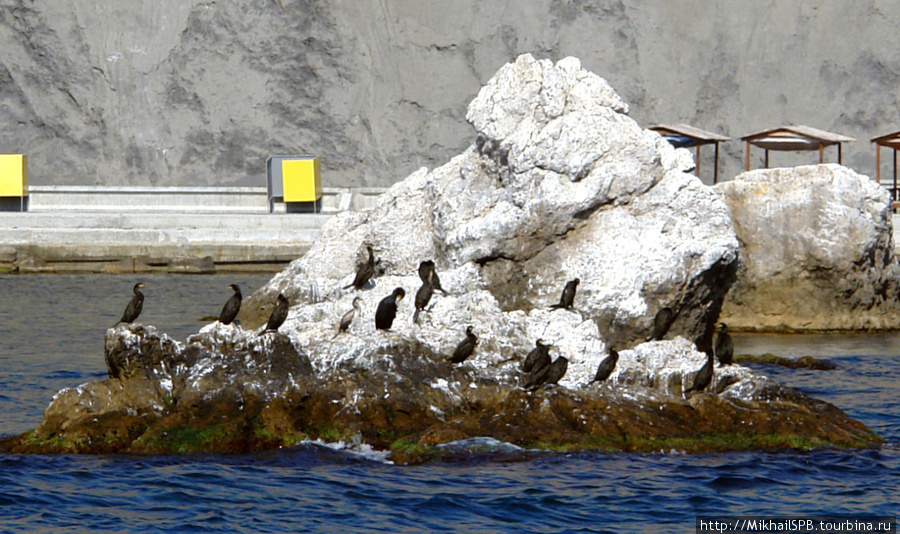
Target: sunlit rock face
816, 251
558, 184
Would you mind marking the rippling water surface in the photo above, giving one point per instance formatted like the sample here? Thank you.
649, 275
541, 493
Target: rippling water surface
53, 327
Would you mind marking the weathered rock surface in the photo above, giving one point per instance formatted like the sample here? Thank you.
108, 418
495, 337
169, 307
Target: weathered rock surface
816, 251
230, 390
559, 184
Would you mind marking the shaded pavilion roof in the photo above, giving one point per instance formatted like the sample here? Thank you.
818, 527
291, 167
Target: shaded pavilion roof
891, 140
795, 138
689, 135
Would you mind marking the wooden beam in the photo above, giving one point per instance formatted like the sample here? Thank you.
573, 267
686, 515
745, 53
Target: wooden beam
716, 163
697, 164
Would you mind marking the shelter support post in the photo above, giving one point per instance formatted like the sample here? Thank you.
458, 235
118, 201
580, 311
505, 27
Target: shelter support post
716, 163
697, 164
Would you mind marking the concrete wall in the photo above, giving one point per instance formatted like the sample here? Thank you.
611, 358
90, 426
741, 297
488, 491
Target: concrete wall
195, 93
193, 200
167, 229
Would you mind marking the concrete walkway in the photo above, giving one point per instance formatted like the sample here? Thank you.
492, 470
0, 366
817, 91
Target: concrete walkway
187, 230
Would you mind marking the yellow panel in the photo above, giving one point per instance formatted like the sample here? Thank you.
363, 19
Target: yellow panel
13, 175
301, 180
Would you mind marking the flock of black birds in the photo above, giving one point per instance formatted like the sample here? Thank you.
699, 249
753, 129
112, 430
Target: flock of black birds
227, 316
539, 368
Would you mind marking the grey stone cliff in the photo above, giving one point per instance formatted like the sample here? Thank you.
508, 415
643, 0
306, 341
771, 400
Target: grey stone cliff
191, 92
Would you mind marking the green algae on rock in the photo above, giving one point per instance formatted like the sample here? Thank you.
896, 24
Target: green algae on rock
412, 401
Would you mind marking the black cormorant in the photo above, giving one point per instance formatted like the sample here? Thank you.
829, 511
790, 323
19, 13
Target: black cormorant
547, 374
279, 314
568, 295
557, 370
232, 307
347, 318
538, 357
364, 272
426, 267
134, 307
465, 347
606, 366
423, 295
661, 324
387, 309
703, 376
724, 346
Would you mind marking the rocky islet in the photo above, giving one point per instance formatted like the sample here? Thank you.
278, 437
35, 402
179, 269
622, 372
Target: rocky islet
559, 184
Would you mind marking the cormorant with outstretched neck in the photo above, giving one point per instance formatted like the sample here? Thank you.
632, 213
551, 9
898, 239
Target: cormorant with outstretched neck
134, 306
426, 267
364, 272
703, 376
538, 357
465, 348
232, 307
724, 346
279, 314
606, 366
568, 295
387, 309
347, 319
423, 295
661, 324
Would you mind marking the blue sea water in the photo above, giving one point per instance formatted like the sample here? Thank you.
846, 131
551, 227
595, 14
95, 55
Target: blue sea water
53, 328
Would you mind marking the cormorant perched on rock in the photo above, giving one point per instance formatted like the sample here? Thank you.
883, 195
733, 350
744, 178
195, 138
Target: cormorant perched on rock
134, 307
703, 376
364, 272
537, 376
423, 295
426, 267
546, 374
465, 347
279, 314
724, 346
568, 295
232, 307
538, 357
557, 370
347, 319
387, 309
661, 324
606, 366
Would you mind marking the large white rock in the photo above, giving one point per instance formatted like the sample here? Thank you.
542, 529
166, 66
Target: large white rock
559, 184
816, 250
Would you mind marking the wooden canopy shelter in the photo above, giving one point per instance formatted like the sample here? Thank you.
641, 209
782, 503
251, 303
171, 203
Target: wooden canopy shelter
794, 138
890, 141
684, 136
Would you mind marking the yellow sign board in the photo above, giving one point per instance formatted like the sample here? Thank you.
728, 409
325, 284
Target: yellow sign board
13, 175
300, 178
